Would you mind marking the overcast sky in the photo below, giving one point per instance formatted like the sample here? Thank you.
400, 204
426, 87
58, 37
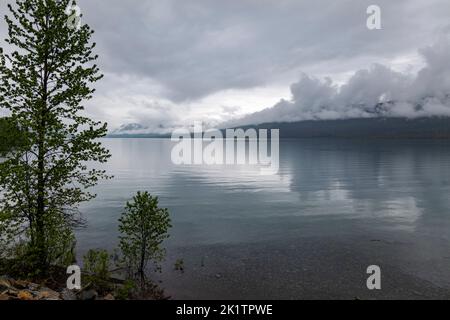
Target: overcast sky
172, 62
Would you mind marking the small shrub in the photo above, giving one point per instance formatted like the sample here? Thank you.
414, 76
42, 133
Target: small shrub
143, 227
97, 263
125, 291
179, 265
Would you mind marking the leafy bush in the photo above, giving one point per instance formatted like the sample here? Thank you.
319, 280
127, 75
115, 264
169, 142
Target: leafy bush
97, 263
17, 251
143, 227
126, 291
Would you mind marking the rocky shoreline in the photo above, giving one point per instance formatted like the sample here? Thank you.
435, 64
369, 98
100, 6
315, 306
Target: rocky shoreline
11, 289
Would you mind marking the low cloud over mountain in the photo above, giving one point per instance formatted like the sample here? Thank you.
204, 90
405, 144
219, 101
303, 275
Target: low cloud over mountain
377, 91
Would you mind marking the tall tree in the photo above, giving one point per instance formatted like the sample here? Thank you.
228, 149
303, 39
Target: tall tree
44, 80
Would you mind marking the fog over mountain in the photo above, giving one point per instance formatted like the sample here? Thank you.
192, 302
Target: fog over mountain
377, 91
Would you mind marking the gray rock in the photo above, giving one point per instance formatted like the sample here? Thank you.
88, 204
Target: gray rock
5, 283
33, 287
66, 294
88, 295
109, 297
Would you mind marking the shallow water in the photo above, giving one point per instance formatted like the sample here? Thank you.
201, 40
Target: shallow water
334, 207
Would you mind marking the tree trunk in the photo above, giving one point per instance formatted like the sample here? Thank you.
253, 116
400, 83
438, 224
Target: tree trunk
41, 245
41, 249
142, 263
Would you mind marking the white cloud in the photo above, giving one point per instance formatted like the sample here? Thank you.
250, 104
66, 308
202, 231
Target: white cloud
377, 91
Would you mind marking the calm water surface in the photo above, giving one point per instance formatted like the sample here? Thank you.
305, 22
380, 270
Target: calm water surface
335, 207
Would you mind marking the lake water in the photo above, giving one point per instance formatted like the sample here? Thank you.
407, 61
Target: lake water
334, 208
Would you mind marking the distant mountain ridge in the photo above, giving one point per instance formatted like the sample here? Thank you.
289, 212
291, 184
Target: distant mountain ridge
136, 130
420, 128
378, 127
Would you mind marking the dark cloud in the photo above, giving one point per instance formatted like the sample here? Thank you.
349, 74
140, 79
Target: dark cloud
197, 47
179, 53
